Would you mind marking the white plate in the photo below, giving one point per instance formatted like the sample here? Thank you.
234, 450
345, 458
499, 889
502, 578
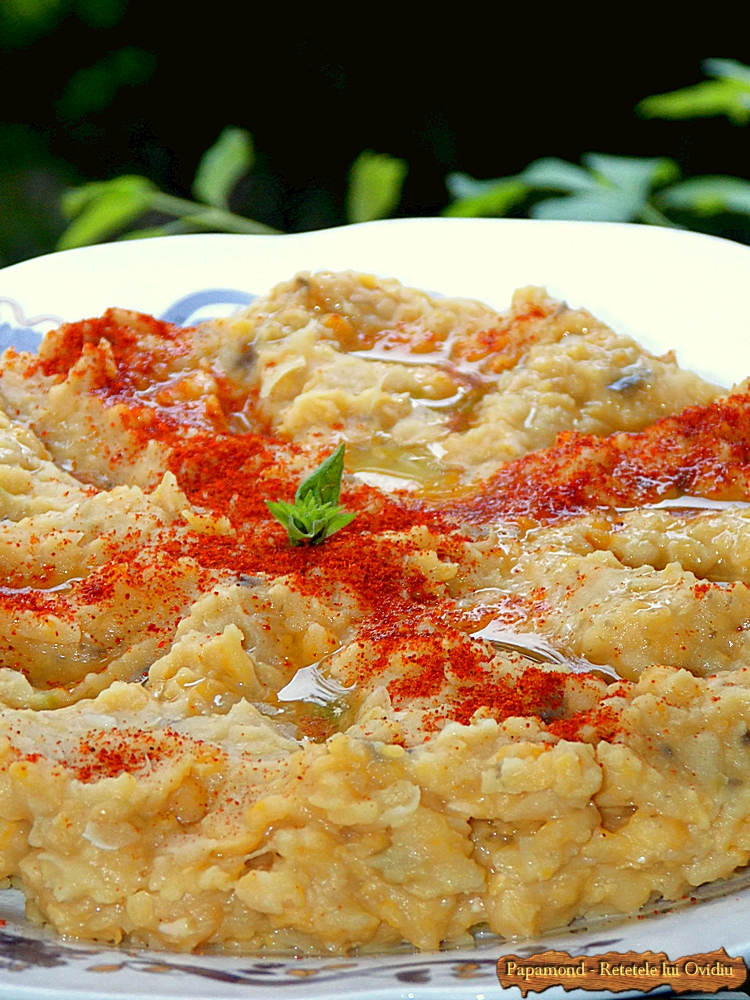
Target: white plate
669, 289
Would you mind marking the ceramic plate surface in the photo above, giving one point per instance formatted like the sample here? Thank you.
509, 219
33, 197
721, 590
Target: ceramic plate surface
667, 288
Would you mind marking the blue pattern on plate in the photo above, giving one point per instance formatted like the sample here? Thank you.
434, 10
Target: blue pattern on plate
15, 336
182, 310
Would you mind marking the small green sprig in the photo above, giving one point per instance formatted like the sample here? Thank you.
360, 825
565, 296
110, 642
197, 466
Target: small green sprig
315, 514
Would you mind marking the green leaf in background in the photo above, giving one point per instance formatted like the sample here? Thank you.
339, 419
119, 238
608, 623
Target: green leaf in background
705, 100
709, 195
375, 183
620, 193
632, 173
197, 218
557, 175
151, 231
483, 198
727, 69
612, 189
99, 209
30, 218
102, 208
221, 166
499, 196
92, 89
21, 21
595, 206
727, 95
465, 186
101, 13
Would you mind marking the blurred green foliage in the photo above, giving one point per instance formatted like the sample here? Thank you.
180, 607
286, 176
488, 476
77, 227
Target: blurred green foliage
100, 209
374, 189
606, 189
709, 195
22, 21
93, 88
106, 153
728, 95
32, 182
603, 188
33, 176
103, 209
622, 188
222, 165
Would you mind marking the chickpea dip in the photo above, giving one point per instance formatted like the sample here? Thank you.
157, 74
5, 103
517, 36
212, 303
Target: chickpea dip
513, 691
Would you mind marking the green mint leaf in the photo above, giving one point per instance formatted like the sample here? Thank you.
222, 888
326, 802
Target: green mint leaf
324, 484
297, 535
337, 522
282, 511
315, 514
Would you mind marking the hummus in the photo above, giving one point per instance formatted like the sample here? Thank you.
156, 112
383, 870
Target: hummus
513, 691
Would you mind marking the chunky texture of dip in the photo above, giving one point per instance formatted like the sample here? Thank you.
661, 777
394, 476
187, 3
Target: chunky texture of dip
513, 691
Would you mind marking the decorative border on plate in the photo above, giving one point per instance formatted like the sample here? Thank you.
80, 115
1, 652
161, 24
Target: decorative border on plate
23, 336
20, 953
182, 311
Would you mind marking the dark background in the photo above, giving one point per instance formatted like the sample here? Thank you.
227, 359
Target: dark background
484, 96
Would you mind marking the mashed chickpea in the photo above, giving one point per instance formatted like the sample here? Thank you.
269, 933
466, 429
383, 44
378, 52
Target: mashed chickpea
514, 690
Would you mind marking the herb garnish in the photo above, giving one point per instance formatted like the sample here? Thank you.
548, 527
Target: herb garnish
315, 514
